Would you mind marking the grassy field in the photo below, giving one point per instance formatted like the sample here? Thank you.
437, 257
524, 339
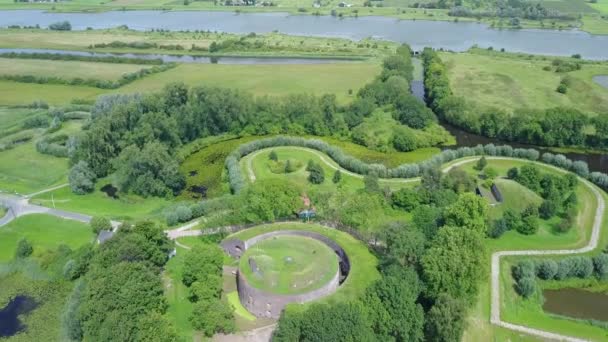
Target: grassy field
289, 265
259, 80
12, 119
601, 6
363, 264
516, 197
66, 69
126, 207
44, 232
510, 82
271, 80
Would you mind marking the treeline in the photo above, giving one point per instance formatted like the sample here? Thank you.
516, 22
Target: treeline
91, 82
583, 267
510, 9
121, 295
73, 57
551, 127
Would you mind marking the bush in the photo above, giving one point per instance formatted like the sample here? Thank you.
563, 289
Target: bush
524, 269
481, 163
316, 174
24, 249
525, 286
184, 213
99, 223
600, 263
337, 177
547, 269
273, 156
60, 26
499, 227
81, 178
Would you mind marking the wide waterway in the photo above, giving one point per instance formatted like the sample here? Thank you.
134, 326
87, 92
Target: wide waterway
457, 36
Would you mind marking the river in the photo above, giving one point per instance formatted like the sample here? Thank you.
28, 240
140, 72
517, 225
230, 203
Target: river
457, 36
576, 303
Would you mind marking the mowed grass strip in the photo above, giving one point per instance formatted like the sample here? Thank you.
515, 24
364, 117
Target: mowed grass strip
511, 82
66, 69
45, 232
289, 265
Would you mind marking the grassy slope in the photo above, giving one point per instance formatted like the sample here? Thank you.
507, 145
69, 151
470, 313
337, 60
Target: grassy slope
66, 69
44, 232
127, 207
479, 327
511, 82
313, 265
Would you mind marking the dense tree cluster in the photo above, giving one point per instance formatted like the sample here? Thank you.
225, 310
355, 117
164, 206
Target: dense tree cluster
120, 296
558, 126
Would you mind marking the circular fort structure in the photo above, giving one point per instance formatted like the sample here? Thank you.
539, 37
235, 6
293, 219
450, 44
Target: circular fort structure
286, 266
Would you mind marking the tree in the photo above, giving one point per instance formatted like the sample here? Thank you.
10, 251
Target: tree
206, 288
404, 244
470, 211
404, 140
289, 168
412, 112
529, 221
445, 320
525, 286
426, 219
513, 173
392, 307
273, 156
99, 223
459, 181
60, 26
268, 200
201, 262
81, 178
481, 163
316, 174
600, 263
547, 209
546, 269
154, 327
454, 263
213, 316
337, 177
405, 198
24, 249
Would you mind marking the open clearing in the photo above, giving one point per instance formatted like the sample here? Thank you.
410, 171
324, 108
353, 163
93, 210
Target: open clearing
44, 232
66, 69
509, 82
289, 265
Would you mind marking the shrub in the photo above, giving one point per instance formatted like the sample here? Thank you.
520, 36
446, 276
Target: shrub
99, 223
499, 227
60, 26
524, 269
565, 269
547, 269
525, 286
316, 174
600, 263
481, 163
24, 249
337, 177
81, 178
273, 156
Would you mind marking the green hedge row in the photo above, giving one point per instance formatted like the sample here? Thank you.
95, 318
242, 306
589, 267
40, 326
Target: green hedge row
70, 57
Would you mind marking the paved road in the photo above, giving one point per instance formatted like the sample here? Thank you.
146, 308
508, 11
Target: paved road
19, 206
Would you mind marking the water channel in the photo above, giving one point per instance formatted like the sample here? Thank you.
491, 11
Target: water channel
185, 58
601, 80
457, 36
576, 303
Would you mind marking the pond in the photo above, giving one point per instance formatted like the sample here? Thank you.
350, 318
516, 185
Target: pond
596, 161
186, 58
576, 303
10, 324
456, 36
601, 80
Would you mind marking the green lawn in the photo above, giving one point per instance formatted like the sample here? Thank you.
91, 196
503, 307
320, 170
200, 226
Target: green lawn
289, 265
363, 263
126, 207
262, 168
66, 69
510, 82
239, 309
516, 197
12, 119
44, 232
272, 80
15, 93
601, 5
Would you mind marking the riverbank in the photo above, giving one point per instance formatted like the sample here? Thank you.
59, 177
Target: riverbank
590, 19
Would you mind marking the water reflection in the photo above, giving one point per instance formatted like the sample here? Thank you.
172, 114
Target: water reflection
10, 324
